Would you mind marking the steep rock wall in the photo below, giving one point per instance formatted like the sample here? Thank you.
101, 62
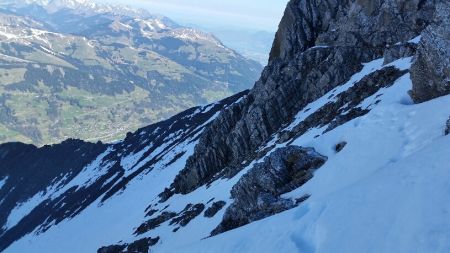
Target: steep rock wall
430, 72
319, 45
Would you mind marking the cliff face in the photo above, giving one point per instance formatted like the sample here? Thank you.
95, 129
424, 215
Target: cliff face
431, 70
319, 45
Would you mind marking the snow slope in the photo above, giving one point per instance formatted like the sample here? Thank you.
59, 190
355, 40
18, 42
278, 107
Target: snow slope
374, 196
387, 188
386, 191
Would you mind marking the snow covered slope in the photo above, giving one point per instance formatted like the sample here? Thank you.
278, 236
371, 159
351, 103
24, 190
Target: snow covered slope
386, 191
55, 184
383, 184
327, 153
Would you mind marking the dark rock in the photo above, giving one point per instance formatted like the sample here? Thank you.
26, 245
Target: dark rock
139, 246
340, 146
165, 195
112, 249
150, 212
188, 214
447, 129
257, 194
214, 208
430, 71
396, 52
361, 23
142, 245
155, 222
302, 199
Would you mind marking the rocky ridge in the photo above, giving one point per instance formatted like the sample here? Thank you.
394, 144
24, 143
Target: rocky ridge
319, 45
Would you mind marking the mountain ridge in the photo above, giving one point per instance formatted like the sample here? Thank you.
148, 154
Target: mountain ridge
99, 75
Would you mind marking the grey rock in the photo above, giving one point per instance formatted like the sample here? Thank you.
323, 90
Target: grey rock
257, 193
340, 146
140, 246
398, 51
188, 214
430, 72
214, 208
154, 222
112, 249
360, 23
183, 218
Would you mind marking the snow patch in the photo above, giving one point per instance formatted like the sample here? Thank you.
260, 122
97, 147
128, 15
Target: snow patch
3, 182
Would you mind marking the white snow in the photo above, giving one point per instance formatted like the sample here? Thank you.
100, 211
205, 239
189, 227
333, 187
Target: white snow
120, 214
368, 68
9, 36
3, 182
22, 210
416, 40
129, 162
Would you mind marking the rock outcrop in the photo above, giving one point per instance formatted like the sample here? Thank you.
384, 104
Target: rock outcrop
154, 222
142, 245
447, 127
176, 219
188, 214
320, 44
214, 208
430, 72
340, 146
257, 194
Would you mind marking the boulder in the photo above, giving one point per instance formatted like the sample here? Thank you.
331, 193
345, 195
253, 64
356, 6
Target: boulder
258, 193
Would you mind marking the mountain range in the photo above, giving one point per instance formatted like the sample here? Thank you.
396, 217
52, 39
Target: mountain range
75, 69
341, 146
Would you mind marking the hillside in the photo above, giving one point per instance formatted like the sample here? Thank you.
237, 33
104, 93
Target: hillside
81, 70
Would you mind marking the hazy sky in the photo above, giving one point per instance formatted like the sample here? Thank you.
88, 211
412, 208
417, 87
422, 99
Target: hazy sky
251, 14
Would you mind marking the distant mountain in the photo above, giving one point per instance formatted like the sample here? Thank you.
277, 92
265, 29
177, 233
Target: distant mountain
71, 68
251, 43
255, 45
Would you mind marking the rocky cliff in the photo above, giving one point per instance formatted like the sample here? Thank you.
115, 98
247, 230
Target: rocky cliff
319, 45
431, 68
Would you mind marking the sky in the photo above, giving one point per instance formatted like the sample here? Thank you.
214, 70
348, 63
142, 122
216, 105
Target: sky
243, 14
